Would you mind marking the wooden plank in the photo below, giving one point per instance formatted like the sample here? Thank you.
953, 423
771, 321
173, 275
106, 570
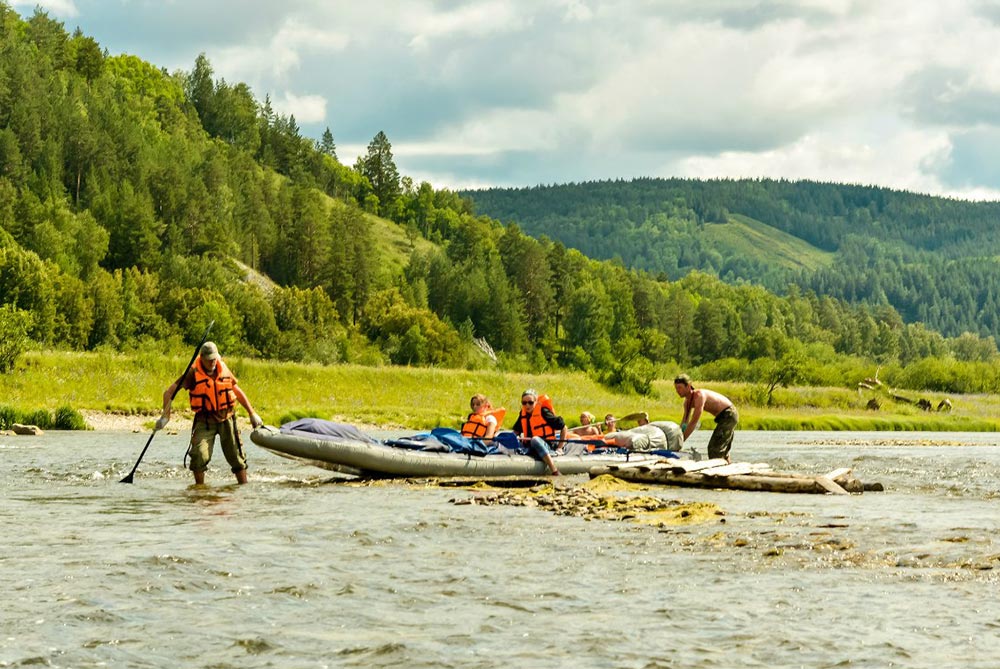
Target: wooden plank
688, 466
831, 486
838, 473
736, 468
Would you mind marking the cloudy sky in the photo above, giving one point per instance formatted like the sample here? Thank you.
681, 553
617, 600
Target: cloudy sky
900, 93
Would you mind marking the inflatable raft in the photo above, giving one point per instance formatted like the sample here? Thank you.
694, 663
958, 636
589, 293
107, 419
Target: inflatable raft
348, 450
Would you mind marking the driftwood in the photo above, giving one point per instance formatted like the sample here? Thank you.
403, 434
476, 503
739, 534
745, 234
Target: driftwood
738, 476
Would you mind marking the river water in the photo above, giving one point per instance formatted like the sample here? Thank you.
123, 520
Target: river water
298, 570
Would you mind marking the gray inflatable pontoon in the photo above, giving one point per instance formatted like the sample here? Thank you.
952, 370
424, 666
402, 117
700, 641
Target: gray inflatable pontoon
361, 455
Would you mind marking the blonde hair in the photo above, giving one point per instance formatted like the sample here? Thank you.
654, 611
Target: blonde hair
586, 418
478, 400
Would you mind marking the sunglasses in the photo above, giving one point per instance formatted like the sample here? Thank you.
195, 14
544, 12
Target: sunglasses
527, 402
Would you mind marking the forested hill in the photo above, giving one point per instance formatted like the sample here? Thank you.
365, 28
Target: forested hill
137, 205
933, 259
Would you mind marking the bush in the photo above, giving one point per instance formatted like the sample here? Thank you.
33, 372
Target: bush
14, 325
42, 418
296, 414
68, 418
8, 416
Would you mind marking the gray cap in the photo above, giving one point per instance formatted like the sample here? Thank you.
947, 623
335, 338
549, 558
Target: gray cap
209, 351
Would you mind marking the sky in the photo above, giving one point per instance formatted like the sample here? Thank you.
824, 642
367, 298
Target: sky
896, 93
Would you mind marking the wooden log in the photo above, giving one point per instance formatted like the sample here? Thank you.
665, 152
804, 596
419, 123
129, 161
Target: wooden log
773, 482
687, 466
844, 480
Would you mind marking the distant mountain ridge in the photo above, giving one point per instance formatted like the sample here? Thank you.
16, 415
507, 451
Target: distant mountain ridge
931, 258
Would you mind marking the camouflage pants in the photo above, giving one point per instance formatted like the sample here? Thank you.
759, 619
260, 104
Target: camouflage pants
203, 435
721, 440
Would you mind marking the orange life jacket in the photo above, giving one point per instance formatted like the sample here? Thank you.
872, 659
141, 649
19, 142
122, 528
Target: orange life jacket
534, 424
212, 394
475, 424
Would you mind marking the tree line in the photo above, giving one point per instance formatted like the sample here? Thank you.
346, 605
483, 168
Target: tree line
933, 259
136, 205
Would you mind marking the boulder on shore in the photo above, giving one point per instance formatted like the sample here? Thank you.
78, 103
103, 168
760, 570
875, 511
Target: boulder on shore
26, 429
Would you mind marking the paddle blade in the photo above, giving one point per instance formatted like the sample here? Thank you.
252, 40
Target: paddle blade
129, 478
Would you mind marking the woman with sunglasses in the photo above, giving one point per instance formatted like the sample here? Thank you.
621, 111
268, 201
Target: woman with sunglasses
538, 424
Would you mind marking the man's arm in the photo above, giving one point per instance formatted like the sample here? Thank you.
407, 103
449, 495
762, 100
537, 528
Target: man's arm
697, 404
168, 400
242, 398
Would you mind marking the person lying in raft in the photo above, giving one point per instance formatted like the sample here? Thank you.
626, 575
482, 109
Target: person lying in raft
647, 436
537, 425
482, 423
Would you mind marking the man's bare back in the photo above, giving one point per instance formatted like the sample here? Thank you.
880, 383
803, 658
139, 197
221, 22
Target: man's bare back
713, 402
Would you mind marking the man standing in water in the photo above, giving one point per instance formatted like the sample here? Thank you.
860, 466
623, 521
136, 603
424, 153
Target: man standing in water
717, 404
214, 393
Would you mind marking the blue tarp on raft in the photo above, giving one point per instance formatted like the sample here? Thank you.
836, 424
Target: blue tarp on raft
440, 440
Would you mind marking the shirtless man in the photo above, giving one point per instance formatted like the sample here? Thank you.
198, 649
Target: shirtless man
698, 400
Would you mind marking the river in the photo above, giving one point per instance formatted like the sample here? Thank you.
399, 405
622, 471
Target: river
298, 570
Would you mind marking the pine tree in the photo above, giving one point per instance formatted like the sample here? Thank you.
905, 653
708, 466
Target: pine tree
326, 144
381, 171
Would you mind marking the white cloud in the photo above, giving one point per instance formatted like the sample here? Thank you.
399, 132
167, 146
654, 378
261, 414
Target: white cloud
903, 158
863, 92
305, 108
282, 54
63, 9
475, 19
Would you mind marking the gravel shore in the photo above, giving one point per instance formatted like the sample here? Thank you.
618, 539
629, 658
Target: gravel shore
117, 422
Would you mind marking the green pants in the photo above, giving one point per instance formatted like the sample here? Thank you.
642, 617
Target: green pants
721, 441
203, 434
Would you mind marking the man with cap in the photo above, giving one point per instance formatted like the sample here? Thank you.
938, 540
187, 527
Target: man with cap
213, 392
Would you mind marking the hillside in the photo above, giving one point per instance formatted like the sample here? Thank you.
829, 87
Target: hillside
137, 205
929, 258
762, 244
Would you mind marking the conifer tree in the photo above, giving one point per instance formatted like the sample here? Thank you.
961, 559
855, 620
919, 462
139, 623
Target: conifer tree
326, 144
381, 171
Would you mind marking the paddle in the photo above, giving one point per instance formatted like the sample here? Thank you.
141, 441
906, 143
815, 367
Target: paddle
204, 338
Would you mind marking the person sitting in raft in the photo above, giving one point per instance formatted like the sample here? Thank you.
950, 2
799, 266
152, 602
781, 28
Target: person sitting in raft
587, 426
482, 423
647, 436
538, 424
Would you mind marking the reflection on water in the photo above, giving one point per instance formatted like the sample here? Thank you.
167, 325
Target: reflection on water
299, 570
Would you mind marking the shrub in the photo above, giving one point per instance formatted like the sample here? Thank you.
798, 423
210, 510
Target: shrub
41, 417
14, 325
68, 418
8, 416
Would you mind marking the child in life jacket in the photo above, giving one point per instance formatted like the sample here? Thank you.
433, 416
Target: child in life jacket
482, 423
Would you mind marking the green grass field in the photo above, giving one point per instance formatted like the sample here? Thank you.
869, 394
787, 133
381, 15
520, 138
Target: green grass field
750, 238
423, 398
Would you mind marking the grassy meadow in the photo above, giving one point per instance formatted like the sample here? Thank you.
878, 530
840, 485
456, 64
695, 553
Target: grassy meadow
423, 398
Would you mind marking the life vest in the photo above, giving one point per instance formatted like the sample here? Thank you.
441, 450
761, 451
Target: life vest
212, 395
534, 424
475, 424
